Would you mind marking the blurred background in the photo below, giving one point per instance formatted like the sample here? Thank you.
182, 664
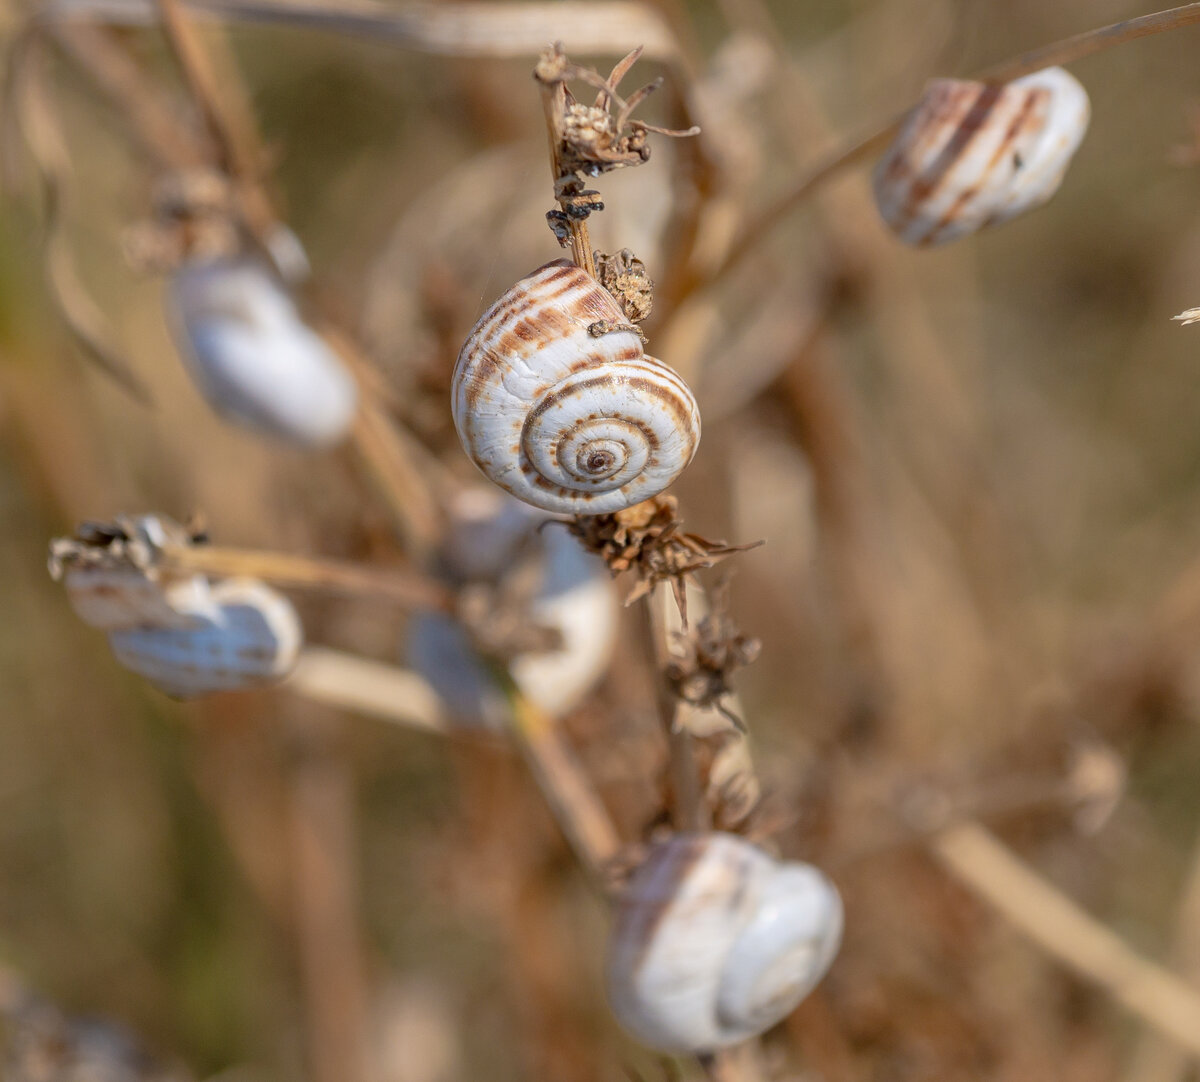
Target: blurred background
976, 468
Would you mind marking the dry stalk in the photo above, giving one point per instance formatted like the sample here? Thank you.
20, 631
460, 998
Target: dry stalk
576, 806
450, 29
368, 687
1064, 931
406, 589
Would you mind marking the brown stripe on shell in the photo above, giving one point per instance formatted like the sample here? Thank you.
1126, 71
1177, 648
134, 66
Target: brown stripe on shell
1032, 98
645, 383
926, 185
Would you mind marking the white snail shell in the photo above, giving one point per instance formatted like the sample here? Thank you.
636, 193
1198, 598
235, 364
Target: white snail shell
253, 358
489, 532
114, 584
714, 941
974, 154
242, 635
120, 598
565, 421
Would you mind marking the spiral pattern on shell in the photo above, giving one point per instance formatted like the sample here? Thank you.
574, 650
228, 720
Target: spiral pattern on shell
714, 942
567, 421
974, 154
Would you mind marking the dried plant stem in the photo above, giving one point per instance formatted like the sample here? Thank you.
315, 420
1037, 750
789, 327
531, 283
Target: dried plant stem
576, 806
94, 51
329, 939
392, 458
1156, 1059
1057, 925
227, 118
368, 687
395, 586
1089, 42
449, 29
554, 93
663, 621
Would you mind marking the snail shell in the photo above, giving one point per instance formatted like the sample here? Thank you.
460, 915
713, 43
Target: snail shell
974, 154
120, 598
714, 942
563, 420
242, 635
490, 535
112, 581
253, 358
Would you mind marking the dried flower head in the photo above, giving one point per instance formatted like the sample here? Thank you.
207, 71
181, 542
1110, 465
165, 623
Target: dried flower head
625, 277
706, 656
647, 540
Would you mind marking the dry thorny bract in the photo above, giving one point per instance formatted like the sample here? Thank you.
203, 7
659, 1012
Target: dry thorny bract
647, 540
594, 139
704, 658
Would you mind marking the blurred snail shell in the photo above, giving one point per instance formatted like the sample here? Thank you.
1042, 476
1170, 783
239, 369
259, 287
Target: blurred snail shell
714, 941
253, 358
120, 598
490, 533
243, 635
974, 154
564, 420
112, 581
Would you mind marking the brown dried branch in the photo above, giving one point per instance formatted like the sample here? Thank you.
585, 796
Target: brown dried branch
588, 140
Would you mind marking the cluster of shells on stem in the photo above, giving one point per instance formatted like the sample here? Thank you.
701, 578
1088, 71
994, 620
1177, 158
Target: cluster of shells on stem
184, 634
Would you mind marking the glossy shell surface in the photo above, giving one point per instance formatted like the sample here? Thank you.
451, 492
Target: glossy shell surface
714, 941
975, 154
564, 420
253, 358
242, 635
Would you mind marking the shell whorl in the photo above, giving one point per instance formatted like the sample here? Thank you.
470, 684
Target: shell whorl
975, 154
714, 942
565, 421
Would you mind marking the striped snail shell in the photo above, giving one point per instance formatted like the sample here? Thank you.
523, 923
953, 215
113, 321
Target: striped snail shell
253, 358
242, 635
565, 420
974, 154
492, 536
714, 941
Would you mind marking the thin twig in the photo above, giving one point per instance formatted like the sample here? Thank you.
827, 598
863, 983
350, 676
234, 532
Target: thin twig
368, 687
1057, 925
227, 118
576, 806
450, 29
394, 586
663, 622
554, 96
